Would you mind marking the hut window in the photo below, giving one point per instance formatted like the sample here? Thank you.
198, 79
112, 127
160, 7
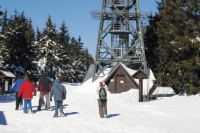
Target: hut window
121, 81
112, 80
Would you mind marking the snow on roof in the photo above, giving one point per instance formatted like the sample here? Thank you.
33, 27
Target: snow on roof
147, 83
8, 74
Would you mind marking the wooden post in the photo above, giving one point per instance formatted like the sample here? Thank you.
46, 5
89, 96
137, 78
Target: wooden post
140, 89
140, 75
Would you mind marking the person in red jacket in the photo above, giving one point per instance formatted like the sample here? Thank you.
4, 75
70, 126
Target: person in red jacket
27, 90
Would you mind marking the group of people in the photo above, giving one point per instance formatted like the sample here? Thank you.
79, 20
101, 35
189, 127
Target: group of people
25, 90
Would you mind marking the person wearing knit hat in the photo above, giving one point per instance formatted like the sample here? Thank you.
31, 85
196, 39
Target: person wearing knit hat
102, 103
27, 90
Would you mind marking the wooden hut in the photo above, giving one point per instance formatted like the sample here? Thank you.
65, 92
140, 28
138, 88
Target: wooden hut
6, 79
120, 79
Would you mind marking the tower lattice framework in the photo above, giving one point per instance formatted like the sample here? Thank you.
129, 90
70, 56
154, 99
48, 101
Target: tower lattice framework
120, 36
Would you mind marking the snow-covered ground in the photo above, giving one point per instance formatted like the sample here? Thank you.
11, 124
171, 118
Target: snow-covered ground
176, 114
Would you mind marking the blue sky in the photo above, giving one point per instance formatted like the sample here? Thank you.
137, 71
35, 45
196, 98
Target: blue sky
75, 13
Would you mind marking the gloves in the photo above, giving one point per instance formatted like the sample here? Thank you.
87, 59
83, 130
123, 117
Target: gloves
51, 99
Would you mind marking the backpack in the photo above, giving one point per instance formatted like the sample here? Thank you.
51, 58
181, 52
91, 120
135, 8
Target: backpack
102, 93
45, 84
50, 80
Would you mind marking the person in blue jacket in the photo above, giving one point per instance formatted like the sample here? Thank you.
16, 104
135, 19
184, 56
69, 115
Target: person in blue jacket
16, 85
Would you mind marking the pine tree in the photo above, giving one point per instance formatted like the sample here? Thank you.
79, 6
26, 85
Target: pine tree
1, 14
65, 69
88, 58
150, 41
48, 50
38, 34
18, 37
2, 23
31, 69
176, 48
82, 57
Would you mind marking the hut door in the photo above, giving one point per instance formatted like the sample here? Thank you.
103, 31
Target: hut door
6, 86
120, 84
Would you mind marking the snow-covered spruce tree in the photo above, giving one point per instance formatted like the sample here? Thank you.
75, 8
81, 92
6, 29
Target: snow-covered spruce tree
81, 68
2, 18
177, 47
88, 58
64, 71
35, 50
78, 57
18, 37
48, 50
32, 71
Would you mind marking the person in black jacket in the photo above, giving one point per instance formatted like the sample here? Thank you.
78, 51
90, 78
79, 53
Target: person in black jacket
44, 88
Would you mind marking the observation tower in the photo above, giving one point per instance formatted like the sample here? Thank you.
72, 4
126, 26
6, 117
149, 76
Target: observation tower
120, 36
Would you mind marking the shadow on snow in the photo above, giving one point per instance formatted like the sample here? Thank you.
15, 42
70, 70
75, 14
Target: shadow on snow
7, 98
2, 118
112, 115
71, 113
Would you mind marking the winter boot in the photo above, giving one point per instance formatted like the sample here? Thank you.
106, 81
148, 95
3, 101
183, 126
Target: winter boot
39, 108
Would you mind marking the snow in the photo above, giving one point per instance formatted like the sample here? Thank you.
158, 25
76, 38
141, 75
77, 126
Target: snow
175, 114
8, 74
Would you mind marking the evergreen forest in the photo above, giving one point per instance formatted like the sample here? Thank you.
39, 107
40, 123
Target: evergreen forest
172, 41
51, 51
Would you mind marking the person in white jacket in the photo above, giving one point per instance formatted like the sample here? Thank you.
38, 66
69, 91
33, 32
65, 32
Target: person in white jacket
102, 103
